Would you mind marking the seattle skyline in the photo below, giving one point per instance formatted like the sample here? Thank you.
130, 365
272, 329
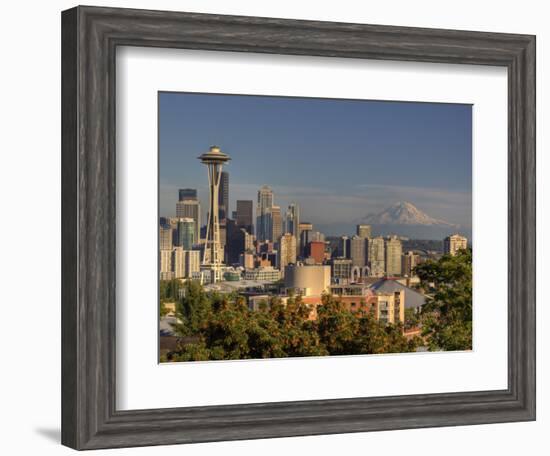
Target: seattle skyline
338, 159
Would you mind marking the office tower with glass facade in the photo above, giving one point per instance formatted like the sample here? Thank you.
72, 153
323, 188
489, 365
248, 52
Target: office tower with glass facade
394, 251
185, 233
304, 229
187, 194
190, 209
377, 256
223, 196
275, 224
243, 215
263, 213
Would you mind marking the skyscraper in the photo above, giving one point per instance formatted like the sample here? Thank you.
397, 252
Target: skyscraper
214, 159
263, 223
165, 238
244, 215
292, 222
394, 250
377, 256
287, 251
364, 231
190, 209
304, 230
358, 251
276, 223
187, 194
186, 233
178, 263
223, 196
343, 247
452, 244
409, 261
165, 264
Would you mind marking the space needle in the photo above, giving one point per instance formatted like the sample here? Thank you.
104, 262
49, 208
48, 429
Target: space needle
212, 259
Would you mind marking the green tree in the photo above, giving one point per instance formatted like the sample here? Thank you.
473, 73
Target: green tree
192, 308
447, 316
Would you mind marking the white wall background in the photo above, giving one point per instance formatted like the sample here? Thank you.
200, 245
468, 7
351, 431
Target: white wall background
30, 225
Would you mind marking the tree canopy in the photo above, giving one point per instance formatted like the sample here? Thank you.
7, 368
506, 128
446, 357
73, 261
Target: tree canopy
447, 316
216, 327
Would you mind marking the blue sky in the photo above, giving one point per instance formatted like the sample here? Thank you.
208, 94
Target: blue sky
339, 159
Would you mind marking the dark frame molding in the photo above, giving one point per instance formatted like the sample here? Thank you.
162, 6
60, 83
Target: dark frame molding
90, 36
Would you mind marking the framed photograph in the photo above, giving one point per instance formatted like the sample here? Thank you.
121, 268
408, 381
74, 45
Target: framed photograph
279, 228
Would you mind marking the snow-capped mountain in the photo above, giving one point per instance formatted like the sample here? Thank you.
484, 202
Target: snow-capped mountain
404, 213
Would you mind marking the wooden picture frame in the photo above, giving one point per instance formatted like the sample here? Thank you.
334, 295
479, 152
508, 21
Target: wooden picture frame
90, 36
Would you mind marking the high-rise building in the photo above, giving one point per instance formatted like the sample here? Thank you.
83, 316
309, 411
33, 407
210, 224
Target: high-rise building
223, 196
358, 251
165, 238
292, 222
343, 247
276, 224
178, 263
305, 229
238, 242
394, 251
263, 214
243, 217
192, 262
452, 244
165, 264
377, 257
409, 261
185, 233
190, 209
316, 251
187, 194
364, 231
287, 250
214, 160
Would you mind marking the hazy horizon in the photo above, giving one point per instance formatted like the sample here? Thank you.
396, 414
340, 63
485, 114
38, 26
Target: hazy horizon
338, 159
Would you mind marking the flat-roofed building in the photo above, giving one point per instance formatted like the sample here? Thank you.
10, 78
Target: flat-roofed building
165, 238
452, 244
394, 251
409, 261
358, 251
316, 251
190, 209
364, 231
287, 250
165, 264
341, 269
263, 274
377, 256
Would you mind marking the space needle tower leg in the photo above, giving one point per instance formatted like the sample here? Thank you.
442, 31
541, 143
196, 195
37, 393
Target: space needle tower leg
214, 160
